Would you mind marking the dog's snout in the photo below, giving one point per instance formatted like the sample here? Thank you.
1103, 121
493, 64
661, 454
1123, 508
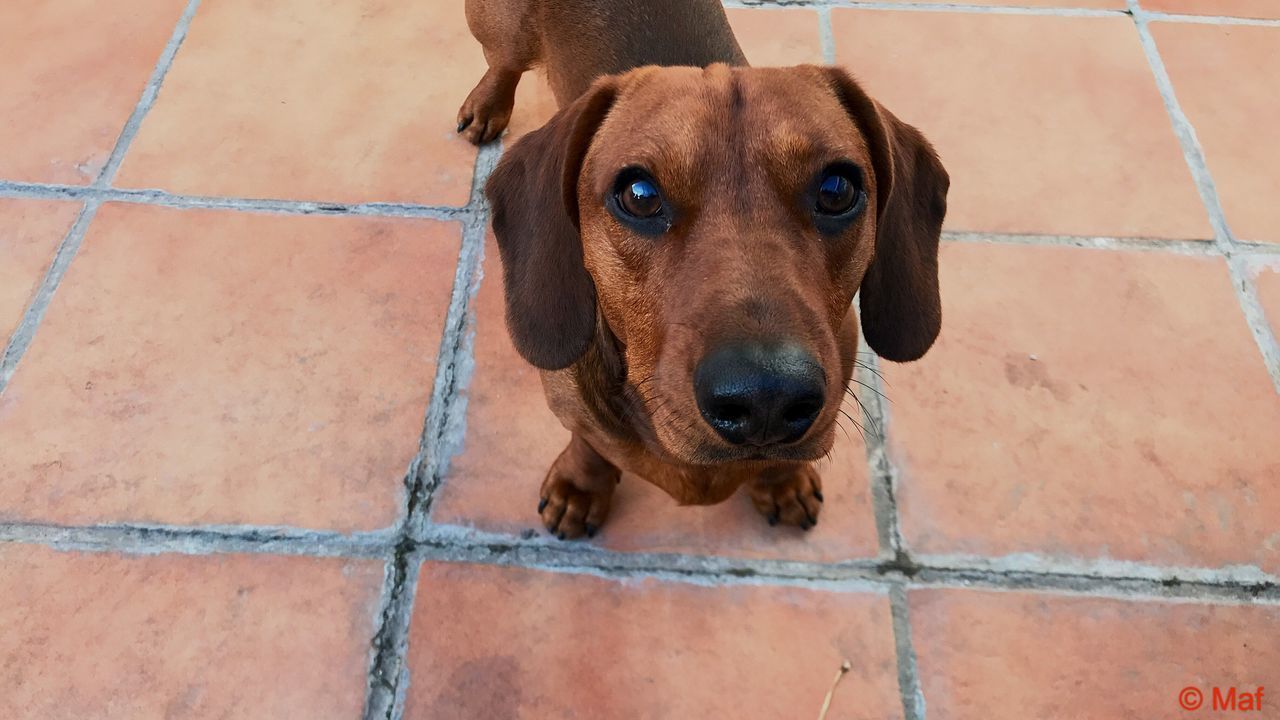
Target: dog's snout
757, 395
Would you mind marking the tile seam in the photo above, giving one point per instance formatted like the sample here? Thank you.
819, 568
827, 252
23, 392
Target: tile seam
142, 539
913, 701
826, 36
927, 7
1006, 9
388, 674
461, 544
162, 198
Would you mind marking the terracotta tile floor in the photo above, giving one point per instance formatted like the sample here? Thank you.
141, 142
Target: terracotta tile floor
266, 450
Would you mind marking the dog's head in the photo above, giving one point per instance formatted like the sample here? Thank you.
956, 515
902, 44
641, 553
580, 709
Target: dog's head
719, 221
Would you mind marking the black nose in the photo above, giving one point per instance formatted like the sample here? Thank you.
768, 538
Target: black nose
757, 395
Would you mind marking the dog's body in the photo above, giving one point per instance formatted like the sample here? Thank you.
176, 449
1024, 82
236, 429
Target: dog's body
681, 246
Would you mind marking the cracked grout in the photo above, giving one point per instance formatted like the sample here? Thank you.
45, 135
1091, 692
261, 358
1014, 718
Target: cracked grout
442, 433
1241, 279
443, 430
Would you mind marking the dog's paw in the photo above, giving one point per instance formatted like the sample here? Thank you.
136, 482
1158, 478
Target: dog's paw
487, 110
573, 505
791, 498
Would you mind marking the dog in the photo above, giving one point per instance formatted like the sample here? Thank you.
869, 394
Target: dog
682, 243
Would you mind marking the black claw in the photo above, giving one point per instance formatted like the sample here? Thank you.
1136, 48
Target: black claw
773, 520
542, 504
464, 122
560, 534
818, 494
592, 530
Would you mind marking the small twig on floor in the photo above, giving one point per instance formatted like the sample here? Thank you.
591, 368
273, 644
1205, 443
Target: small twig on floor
826, 703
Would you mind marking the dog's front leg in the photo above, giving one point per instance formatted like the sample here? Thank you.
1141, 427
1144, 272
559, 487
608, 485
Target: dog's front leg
790, 494
578, 491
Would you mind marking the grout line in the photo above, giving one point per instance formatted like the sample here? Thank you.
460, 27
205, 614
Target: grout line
881, 473
445, 423
137, 539
1011, 8
1112, 579
43, 191
1241, 280
388, 667
1102, 578
1100, 242
388, 675
149, 95
22, 335
1244, 282
1157, 16
928, 7
913, 705
826, 36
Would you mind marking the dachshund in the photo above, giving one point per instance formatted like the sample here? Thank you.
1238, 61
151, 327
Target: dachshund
682, 244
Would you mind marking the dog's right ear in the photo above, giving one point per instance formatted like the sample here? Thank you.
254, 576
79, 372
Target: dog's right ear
550, 298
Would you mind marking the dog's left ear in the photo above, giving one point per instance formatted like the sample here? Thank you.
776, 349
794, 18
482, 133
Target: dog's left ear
900, 303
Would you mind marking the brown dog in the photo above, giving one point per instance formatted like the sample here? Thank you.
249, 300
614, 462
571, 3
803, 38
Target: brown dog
681, 245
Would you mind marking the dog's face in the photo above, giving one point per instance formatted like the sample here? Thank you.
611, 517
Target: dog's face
721, 221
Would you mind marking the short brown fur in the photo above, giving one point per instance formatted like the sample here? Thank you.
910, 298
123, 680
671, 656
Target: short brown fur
617, 320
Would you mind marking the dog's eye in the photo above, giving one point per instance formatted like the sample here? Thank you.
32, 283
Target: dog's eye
640, 199
837, 193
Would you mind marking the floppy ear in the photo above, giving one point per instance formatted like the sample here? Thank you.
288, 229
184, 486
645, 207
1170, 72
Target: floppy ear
900, 303
550, 298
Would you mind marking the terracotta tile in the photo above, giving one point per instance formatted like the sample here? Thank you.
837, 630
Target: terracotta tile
769, 36
776, 36
514, 643
215, 367
1000, 656
106, 636
1046, 124
512, 439
72, 72
1268, 282
1216, 72
1235, 8
1123, 412
30, 231
338, 100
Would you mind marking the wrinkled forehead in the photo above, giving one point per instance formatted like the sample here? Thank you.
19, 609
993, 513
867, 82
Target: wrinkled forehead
689, 122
